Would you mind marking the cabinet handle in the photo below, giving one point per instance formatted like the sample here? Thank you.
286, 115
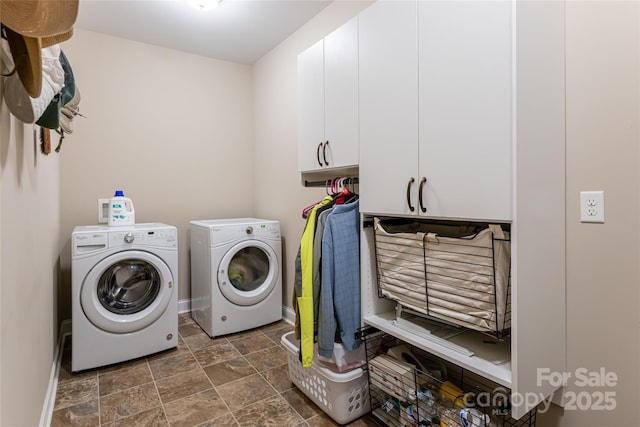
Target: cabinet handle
411, 181
324, 154
422, 182
318, 154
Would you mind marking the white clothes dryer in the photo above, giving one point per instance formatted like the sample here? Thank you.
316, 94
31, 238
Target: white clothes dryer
236, 274
124, 293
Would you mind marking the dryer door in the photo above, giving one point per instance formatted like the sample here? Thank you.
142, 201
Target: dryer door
248, 272
126, 291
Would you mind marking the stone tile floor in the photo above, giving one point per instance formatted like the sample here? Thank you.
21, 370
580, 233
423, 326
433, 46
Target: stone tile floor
237, 380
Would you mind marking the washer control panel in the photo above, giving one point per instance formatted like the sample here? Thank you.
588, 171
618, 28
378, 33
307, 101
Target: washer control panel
164, 237
91, 239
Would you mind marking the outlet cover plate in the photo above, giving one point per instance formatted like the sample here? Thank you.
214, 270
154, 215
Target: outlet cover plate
592, 206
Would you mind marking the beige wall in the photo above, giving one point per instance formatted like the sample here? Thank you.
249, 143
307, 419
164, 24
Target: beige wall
173, 130
29, 245
602, 89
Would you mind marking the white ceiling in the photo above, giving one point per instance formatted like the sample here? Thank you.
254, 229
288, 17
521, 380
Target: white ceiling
237, 30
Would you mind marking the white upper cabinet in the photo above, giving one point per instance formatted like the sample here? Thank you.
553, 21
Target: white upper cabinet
311, 107
328, 101
465, 86
435, 109
341, 95
388, 52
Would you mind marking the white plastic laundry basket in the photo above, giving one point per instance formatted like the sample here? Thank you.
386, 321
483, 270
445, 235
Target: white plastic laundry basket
343, 396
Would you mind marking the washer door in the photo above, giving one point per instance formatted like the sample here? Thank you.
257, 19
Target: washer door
248, 272
127, 291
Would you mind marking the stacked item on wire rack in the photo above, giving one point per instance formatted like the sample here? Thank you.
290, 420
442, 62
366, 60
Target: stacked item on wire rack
410, 387
457, 272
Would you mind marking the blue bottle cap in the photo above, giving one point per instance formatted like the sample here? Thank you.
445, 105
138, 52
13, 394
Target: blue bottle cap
119, 193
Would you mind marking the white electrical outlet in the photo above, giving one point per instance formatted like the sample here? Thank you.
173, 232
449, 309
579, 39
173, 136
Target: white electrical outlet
592, 206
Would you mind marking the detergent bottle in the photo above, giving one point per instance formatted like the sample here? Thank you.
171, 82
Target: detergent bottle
121, 211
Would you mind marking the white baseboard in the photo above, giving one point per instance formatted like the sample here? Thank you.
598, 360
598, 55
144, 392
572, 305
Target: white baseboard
288, 315
50, 396
184, 306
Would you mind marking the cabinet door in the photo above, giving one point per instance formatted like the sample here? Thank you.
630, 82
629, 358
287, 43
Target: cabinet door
388, 81
311, 108
341, 95
465, 108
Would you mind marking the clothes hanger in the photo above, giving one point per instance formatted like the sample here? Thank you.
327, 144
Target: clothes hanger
335, 186
307, 209
343, 192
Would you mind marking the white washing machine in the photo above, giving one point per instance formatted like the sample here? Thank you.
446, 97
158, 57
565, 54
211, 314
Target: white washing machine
124, 291
236, 277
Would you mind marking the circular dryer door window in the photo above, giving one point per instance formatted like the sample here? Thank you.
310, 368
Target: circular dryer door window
127, 291
248, 273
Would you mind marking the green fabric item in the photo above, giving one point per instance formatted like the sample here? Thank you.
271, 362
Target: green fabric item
305, 301
51, 117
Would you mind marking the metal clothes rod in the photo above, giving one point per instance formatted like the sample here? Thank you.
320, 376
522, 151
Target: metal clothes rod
326, 182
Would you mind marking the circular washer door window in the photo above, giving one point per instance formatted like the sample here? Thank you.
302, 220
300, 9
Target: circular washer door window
248, 272
127, 291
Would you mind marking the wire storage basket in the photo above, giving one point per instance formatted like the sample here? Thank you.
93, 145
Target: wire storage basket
456, 272
409, 387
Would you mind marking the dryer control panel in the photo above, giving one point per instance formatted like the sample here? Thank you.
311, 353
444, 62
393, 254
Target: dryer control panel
225, 231
263, 229
249, 231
